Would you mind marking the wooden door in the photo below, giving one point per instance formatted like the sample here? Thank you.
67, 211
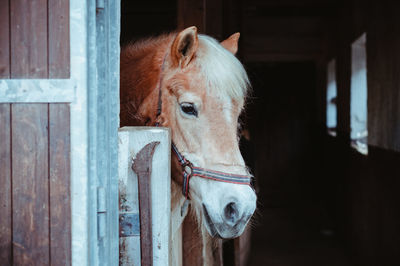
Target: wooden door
35, 220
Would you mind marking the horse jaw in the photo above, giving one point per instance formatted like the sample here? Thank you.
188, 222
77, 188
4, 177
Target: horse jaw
210, 198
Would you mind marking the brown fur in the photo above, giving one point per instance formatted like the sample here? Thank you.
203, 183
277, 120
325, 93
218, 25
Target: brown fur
140, 70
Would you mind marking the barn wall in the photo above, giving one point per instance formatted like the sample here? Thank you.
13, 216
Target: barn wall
30, 95
44, 25
365, 202
35, 225
140, 19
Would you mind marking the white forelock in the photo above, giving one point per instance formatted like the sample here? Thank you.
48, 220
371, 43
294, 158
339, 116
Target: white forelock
222, 69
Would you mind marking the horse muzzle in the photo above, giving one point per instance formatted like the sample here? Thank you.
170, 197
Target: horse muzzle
230, 224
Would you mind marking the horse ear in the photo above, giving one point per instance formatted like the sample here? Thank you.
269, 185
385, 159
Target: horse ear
184, 47
231, 44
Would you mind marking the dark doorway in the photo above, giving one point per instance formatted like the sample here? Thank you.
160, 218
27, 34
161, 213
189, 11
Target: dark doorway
295, 224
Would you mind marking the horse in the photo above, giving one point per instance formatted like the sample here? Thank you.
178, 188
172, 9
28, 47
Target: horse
194, 85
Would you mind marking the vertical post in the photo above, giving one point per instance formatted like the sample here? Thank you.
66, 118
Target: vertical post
142, 167
131, 142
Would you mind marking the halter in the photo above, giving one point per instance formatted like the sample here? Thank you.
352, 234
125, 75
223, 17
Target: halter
188, 169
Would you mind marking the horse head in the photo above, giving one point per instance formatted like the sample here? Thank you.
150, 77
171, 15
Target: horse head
200, 92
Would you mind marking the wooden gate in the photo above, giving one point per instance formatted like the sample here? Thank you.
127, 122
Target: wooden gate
59, 112
35, 206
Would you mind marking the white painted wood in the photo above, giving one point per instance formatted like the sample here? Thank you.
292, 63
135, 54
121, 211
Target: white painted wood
176, 248
131, 141
177, 201
37, 90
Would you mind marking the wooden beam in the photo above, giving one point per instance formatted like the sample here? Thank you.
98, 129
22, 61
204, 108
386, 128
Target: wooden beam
206, 15
286, 3
30, 184
192, 242
4, 40
192, 13
5, 187
279, 26
132, 140
59, 48
279, 57
282, 44
29, 53
213, 18
59, 184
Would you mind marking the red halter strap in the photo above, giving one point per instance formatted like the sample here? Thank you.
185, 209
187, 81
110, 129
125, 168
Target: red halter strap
188, 170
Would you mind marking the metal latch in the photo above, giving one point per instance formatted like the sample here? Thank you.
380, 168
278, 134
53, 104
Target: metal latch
129, 224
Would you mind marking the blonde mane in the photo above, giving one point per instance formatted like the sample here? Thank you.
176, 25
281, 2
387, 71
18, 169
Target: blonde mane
221, 68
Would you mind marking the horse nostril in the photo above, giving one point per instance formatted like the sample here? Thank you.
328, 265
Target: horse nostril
231, 213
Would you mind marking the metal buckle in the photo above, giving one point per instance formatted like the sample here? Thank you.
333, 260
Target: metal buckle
187, 168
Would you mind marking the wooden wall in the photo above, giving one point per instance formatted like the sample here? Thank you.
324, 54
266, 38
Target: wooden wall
217, 18
285, 30
141, 19
34, 39
35, 220
366, 198
382, 25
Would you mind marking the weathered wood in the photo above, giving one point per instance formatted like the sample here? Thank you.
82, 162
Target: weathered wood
282, 44
5, 187
191, 243
5, 39
176, 248
60, 207
214, 19
191, 13
142, 167
217, 253
132, 140
289, 26
30, 184
59, 50
383, 43
242, 247
28, 39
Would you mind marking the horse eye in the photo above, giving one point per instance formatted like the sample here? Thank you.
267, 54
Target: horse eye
189, 109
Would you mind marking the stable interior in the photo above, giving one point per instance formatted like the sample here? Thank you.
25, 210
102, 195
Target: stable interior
327, 181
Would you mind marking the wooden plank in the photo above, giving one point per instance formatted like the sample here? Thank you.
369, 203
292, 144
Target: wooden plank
191, 13
282, 44
289, 26
30, 184
279, 57
4, 40
177, 217
383, 83
295, 3
28, 39
60, 200
132, 140
213, 18
192, 243
242, 247
5, 187
59, 45
217, 253
176, 248
129, 247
